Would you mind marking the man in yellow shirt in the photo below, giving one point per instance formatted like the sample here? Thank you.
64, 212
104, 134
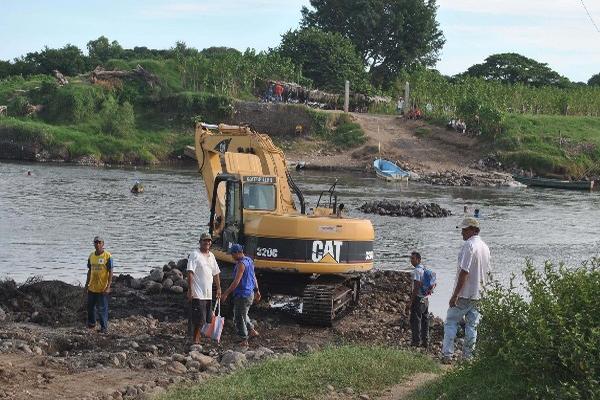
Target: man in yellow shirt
99, 279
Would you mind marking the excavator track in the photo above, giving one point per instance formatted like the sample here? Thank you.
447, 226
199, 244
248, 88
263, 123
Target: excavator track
323, 302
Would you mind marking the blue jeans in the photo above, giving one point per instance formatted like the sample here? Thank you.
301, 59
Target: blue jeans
241, 306
466, 308
97, 301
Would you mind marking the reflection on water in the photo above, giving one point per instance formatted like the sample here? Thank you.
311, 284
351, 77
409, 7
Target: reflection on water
48, 220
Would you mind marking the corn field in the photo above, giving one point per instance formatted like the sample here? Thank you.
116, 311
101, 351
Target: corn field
440, 96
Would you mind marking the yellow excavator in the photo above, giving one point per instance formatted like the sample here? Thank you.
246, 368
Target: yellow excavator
317, 255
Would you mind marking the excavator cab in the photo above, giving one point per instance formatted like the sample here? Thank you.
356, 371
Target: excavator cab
228, 230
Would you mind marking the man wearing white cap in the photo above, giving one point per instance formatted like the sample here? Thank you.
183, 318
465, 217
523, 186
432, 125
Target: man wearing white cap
471, 274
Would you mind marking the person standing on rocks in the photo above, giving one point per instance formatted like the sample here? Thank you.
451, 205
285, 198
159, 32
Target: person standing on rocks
202, 269
471, 276
97, 284
418, 306
245, 291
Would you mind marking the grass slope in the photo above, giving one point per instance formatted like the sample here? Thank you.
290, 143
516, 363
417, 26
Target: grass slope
364, 368
551, 143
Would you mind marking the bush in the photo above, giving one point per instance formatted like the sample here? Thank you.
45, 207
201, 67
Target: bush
548, 334
117, 120
347, 133
74, 103
18, 106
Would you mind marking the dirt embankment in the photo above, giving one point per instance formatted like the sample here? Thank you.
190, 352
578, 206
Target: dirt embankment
435, 155
147, 348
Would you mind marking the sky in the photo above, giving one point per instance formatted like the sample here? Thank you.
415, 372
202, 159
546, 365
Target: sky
557, 32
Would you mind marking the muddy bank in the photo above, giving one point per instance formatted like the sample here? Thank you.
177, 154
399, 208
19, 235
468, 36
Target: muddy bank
147, 339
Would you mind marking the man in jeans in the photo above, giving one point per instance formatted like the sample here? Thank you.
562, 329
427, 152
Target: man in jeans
97, 284
245, 290
418, 306
471, 274
202, 269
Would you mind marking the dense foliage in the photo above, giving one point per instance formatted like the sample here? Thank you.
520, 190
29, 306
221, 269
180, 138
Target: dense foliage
514, 68
537, 340
389, 35
549, 332
328, 59
594, 80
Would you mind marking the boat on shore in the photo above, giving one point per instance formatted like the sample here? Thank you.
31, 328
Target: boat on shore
389, 171
554, 183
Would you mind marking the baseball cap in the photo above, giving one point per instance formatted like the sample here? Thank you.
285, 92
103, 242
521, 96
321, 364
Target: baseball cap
469, 222
236, 248
205, 236
98, 239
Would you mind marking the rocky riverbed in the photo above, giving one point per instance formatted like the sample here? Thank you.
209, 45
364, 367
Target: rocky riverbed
147, 349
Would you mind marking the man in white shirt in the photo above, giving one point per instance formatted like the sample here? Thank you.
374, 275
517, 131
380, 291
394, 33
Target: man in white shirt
473, 269
202, 268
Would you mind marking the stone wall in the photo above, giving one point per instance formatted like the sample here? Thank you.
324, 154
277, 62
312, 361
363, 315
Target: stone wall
274, 119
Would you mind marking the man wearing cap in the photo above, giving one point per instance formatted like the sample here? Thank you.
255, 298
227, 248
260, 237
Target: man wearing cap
202, 269
245, 290
471, 274
97, 284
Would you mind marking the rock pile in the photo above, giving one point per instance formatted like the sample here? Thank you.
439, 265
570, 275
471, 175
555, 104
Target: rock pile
170, 278
456, 178
412, 209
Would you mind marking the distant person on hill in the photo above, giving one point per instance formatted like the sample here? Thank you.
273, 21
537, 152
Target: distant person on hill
418, 305
400, 106
97, 284
202, 269
278, 92
471, 276
245, 292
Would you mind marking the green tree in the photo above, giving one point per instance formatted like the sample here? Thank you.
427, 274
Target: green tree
69, 60
329, 59
390, 35
514, 68
594, 80
101, 50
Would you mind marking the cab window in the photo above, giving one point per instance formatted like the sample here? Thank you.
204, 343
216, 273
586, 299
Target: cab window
259, 196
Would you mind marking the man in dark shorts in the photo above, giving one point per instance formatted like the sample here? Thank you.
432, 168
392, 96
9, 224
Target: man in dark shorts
202, 268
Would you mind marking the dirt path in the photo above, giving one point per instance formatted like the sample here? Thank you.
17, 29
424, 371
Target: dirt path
402, 390
424, 147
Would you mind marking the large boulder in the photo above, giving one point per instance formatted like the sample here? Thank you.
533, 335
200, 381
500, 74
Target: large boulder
176, 289
204, 360
182, 264
177, 367
175, 275
136, 284
157, 275
167, 283
233, 358
153, 288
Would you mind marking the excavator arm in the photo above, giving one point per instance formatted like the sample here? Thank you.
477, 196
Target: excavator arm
239, 150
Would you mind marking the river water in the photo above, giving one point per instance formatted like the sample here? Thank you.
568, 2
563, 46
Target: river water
48, 221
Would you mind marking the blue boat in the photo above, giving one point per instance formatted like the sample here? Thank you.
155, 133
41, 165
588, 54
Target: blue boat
389, 171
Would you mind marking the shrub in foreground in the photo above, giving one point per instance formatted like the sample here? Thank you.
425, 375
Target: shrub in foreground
549, 331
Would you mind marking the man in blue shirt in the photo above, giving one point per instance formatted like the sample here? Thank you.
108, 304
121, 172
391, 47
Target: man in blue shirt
245, 290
